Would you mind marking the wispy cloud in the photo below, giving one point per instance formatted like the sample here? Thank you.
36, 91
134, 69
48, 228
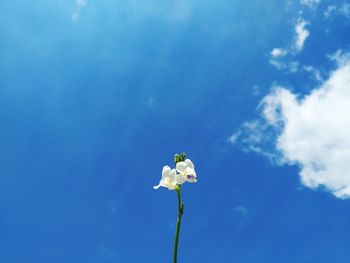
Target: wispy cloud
310, 3
281, 64
278, 52
311, 131
301, 34
280, 58
330, 10
342, 58
255, 136
79, 5
341, 10
276, 58
344, 9
314, 71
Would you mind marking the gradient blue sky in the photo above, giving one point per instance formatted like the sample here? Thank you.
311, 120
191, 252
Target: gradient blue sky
96, 96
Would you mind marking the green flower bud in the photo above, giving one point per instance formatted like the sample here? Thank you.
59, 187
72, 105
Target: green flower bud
177, 158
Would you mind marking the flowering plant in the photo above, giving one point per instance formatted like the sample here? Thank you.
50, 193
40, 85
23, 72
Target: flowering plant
173, 179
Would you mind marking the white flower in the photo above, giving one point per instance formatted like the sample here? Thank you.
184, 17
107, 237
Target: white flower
186, 171
168, 179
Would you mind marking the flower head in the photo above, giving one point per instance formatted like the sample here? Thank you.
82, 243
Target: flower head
186, 171
168, 179
173, 179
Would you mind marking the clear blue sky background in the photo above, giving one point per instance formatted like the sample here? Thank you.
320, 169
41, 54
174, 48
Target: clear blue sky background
96, 96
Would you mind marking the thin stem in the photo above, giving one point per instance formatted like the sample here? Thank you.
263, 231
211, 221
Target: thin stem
180, 213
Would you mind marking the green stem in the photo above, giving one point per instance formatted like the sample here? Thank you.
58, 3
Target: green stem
180, 213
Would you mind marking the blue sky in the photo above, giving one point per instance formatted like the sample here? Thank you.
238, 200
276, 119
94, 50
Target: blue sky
97, 96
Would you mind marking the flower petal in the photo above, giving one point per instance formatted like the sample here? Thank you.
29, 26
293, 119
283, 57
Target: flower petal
191, 177
161, 183
166, 171
189, 163
172, 175
180, 178
181, 167
169, 184
157, 186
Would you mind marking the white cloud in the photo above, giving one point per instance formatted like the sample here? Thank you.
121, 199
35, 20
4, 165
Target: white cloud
301, 34
256, 90
277, 64
310, 3
276, 58
344, 9
311, 131
279, 56
234, 137
340, 57
278, 52
330, 10
255, 136
291, 67
314, 71
79, 5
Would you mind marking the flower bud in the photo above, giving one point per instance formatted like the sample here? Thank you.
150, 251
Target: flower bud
177, 158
